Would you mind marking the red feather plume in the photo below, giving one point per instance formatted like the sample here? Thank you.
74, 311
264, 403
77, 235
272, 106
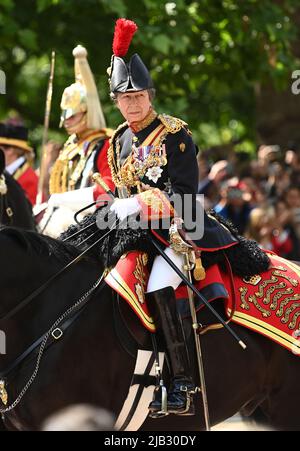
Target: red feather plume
124, 31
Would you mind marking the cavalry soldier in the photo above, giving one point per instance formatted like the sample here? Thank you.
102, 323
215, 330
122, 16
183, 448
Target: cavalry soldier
85, 152
150, 155
19, 157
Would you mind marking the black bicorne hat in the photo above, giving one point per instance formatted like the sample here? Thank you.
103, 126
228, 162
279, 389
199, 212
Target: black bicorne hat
131, 76
14, 135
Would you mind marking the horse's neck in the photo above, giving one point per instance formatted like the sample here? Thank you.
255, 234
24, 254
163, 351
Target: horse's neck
16, 203
26, 271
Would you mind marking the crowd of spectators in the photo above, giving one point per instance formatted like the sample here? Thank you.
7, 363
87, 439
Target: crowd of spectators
260, 196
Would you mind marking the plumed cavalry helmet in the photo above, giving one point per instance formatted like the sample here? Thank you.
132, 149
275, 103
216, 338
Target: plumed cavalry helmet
82, 96
131, 76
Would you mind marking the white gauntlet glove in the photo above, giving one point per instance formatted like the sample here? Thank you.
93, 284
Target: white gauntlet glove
125, 207
75, 200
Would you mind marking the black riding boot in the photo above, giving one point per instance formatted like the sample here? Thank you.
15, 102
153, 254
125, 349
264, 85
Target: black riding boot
162, 304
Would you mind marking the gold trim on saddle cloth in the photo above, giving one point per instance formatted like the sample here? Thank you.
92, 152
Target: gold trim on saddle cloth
129, 278
269, 303
266, 329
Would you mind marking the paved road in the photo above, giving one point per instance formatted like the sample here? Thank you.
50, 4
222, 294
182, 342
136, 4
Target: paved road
236, 423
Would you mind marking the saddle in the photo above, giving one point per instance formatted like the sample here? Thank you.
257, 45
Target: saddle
129, 279
267, 303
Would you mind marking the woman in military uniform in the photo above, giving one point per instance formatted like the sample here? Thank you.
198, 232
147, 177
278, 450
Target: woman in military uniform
152, 155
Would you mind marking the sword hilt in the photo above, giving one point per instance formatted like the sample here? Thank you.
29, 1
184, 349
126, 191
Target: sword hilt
99, 180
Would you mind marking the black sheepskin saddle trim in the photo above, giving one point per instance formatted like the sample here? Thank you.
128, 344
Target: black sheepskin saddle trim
246, 258
111, 246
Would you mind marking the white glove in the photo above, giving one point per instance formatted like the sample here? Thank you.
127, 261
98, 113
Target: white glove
125, 207
74, 200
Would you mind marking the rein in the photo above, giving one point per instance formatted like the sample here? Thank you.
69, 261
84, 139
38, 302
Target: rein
39, 290
42, 341
82, 302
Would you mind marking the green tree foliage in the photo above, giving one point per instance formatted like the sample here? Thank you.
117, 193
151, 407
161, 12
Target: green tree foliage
206, 56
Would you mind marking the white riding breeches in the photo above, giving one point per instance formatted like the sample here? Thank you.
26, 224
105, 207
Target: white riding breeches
162, 275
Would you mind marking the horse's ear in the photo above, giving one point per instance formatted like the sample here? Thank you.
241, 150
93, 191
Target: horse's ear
2, 161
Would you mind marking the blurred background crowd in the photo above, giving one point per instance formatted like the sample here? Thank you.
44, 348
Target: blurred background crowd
260, 195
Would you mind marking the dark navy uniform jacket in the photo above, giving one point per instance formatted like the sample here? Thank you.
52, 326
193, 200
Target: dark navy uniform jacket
179, 176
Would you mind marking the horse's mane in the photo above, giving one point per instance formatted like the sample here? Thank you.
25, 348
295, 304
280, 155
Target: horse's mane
246, 259
109, 250
41, 244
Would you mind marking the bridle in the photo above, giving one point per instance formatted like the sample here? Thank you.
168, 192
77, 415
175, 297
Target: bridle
62, 323
4, 206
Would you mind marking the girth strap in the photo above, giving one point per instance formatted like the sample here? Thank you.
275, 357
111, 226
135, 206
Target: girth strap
135, 409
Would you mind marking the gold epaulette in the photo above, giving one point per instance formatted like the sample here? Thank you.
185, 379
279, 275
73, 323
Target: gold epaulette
173, 124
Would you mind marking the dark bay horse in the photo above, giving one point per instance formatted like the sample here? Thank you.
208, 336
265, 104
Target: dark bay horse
15, 209
89, 365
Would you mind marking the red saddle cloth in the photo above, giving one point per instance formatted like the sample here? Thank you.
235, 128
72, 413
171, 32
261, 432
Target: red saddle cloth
130, 276
268, 303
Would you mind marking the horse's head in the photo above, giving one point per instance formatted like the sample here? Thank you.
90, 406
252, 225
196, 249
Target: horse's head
2, 161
